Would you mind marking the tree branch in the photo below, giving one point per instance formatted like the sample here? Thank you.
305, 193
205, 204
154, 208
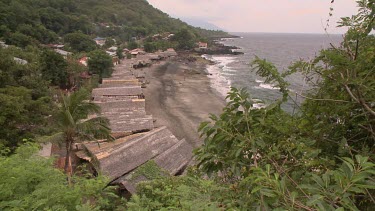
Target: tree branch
319, 99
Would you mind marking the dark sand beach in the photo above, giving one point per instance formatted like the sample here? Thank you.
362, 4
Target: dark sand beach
179, 96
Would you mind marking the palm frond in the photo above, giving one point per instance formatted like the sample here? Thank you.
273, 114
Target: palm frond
94, 128
55, 138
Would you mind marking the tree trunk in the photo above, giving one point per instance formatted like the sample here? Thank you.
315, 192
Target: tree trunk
68, 163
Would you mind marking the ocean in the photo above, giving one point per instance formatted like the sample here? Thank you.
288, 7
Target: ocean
280, 49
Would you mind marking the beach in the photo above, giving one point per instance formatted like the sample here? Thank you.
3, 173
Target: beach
178, 95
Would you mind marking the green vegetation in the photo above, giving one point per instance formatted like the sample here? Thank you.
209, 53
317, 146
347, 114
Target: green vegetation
185, 39
43, 21
179, 193
100, 63
152, 46
150, 170
29, 182
75, 126
25, 100
132, 45
53, 68
79, 42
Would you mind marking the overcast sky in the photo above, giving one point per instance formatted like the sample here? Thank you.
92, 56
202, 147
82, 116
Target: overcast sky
299, 16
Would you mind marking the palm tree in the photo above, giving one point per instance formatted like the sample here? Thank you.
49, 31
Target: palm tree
75, 125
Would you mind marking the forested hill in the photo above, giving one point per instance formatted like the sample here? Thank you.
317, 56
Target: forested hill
31, 21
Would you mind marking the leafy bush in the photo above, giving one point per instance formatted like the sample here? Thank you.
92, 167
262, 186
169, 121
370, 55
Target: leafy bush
30, 182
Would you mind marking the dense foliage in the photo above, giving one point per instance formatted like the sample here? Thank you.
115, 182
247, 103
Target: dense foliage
185, 39
100, 63
74, 124
30, 182
24, 96
29, 22
53, 68
79, 42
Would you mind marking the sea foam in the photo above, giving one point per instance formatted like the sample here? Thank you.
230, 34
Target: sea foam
218, 71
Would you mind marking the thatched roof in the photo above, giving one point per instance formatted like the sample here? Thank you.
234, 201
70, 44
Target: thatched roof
114, 98
119, 80
120, 84
122, 73
131, 123
175, 158
148, 171
118, 91
121, 77
171, 162
129, 182
124, 155
125, 116
122, 105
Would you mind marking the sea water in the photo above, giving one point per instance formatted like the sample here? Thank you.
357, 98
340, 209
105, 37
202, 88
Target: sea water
280, 49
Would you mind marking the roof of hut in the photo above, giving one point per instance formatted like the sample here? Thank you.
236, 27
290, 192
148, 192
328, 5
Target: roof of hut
175, 158
120, 84
122, 105
170, 162
126, 154
114, 98
117, 91
131, 123
148, 171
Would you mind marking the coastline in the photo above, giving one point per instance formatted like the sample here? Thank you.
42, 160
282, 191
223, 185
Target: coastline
179, 95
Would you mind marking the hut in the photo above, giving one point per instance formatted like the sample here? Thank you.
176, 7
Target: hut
120, 159
122, 105
118, 91
171, 162
120, 83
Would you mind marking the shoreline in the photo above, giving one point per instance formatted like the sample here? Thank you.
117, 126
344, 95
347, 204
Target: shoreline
179, 95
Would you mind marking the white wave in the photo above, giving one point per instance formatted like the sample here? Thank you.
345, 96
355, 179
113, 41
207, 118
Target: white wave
259, 105
228, 70
259, 81
268, 86
219, 73
218, 82
228, 74
223, 60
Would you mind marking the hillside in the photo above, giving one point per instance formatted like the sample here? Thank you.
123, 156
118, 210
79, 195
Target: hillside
24, 22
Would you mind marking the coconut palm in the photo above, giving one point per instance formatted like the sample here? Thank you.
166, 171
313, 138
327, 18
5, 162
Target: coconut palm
78, 120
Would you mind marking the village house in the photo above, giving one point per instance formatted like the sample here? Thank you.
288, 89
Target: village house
99, 41
106, 25
111, 53
20, 61
84, 60
170, 36
65, 54
55, 46
112, 49
115, 59
202, 45
3, 45
137, 51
